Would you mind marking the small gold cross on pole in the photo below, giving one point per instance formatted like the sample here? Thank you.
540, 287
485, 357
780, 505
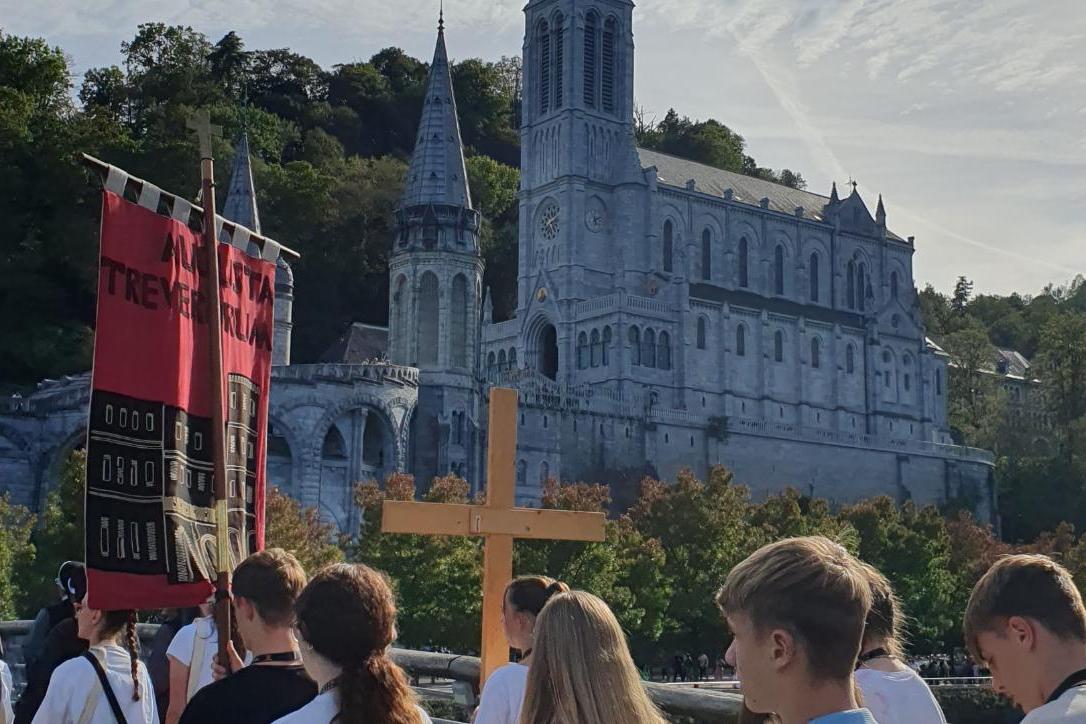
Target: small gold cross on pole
200, 122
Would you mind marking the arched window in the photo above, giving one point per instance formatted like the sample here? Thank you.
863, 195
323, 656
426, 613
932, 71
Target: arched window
907, 381
582, 351
606, 352
458, 332
861, 286
850, 359
706, 254
938, 382
334, 447
544, 472
457, 428
596, 352
816, 353
741, 340
501, 360
744, 271
635, 346
522, 472
490, 359
893, 285
544, 67
669, 240
428, 325
778, 270
648, 348
814, 275
400, 302
850, 283
663, 351
778, 346
559, 60
591, 58
701, 332
512, 358
608, 71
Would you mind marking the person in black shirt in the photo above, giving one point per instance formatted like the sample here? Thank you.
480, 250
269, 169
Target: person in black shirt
274, 684
59, 643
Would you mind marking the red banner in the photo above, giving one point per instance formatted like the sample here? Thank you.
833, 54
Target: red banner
150, 523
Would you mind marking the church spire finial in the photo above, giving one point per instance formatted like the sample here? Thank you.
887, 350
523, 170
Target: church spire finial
441, 17
834, 198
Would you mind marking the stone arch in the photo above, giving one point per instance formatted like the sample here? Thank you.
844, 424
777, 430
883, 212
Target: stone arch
543, 352
283, 457
400, 302
54, 459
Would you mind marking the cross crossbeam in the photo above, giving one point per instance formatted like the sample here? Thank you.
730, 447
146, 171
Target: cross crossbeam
498, 522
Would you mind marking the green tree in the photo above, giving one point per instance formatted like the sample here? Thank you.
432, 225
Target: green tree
58, 537
963, 289
977, 405
300, 530
1062, 367
16, 554
436, 578
911, 546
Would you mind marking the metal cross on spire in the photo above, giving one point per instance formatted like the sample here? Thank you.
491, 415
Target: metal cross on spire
852, 183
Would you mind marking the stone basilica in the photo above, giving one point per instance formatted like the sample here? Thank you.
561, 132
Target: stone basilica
669, 314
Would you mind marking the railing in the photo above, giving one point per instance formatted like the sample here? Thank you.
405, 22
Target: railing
701, 705
377, 372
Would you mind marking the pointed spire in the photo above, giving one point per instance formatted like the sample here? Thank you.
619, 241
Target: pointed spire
240, 206
441, 18
834, 198
437, 174
880, 213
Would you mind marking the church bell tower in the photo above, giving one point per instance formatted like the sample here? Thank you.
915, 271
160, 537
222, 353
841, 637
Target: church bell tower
435, 285
577, 155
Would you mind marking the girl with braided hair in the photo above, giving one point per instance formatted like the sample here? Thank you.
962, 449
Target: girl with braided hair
107, 683
346, 622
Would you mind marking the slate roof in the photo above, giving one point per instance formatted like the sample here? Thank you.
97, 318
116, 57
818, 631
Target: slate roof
437, 174
676, 171
240, 206
361, 342
1012, 363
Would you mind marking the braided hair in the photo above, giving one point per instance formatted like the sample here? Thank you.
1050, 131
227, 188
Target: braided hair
112, 624
348, 615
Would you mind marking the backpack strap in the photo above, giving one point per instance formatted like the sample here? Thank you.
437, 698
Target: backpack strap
196, 663
111, 697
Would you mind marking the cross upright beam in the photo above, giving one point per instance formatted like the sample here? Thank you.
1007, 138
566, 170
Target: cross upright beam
499, 522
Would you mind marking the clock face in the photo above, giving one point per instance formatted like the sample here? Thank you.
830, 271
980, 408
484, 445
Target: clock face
548, 221
595, 216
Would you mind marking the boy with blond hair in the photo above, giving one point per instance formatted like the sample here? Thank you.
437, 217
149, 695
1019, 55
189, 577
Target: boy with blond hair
1026, 622
796, 609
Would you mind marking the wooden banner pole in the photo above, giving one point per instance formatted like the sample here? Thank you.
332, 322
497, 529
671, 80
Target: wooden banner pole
201, 123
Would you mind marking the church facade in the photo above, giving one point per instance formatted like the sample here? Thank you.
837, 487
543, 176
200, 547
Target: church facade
669, 315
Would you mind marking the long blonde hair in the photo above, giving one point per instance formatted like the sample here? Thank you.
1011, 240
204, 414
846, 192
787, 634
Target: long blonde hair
581, 668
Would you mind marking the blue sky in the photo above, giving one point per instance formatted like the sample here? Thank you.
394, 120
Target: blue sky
968, 116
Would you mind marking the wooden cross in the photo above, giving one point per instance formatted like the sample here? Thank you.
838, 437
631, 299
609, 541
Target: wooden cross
498, 522
200, 122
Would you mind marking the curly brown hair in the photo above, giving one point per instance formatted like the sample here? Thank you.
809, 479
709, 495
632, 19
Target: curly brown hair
347, 613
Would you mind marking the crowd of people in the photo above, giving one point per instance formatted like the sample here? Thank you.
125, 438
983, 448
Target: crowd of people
816, 637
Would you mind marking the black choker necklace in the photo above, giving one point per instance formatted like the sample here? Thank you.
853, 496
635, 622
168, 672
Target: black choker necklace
282, 656
872, 654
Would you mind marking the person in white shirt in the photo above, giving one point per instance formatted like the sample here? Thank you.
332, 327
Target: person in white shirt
503, 694
77, 694
1026, 621
7, 716
892, 691
346, 622
198, 641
